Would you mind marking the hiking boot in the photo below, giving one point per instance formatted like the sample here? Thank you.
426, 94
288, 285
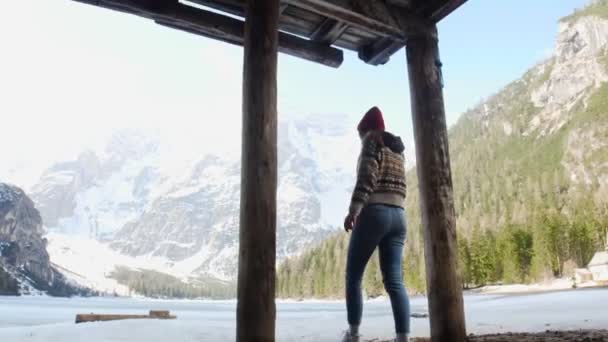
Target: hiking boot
348, 337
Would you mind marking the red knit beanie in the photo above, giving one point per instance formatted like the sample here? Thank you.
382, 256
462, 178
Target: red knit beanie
372, 121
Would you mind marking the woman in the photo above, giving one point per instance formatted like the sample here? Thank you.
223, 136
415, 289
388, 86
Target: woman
376, 218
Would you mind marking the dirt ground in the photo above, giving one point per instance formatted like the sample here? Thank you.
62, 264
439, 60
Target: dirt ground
548, 336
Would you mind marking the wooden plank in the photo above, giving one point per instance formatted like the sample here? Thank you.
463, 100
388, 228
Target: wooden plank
348, 42
288, 23
256, 310
224, 28
401, 3
329, 31
234, 7
310, 50
296, 26
436, 191
355, 13
364, 36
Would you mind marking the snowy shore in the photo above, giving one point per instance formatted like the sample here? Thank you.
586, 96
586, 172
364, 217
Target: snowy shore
562, 284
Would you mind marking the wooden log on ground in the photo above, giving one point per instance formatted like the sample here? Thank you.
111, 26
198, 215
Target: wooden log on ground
256, 310
435, 185
154, 314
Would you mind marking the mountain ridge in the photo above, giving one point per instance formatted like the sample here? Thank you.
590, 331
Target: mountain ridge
149, 208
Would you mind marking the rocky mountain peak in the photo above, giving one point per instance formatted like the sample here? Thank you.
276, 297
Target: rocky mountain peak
582, 37
575, 70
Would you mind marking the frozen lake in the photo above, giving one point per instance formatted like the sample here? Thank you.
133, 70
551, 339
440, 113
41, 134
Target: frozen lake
51, 319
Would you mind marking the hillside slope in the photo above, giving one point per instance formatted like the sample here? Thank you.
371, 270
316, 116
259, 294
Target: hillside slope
530, 174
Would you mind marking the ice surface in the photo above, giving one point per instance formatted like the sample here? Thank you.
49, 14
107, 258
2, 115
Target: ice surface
37, 319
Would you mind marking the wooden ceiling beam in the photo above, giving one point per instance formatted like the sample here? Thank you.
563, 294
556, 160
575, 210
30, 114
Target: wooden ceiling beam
401, 3
436, 10
329, 31
380, 52
233, 7
282, 8
364, 14
221, 27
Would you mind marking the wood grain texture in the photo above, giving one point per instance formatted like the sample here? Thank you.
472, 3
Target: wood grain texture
358, 13
444, 287
256, 311
154, 314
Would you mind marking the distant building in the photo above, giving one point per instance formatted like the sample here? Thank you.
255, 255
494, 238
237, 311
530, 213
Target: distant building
582, 275
599, 266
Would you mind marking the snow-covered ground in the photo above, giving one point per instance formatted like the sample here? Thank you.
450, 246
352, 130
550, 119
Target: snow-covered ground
89, 262
552, 285
37, 319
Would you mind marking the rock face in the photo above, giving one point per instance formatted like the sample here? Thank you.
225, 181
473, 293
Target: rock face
56, 192
21, 235
25, 267
561, 101
575, 70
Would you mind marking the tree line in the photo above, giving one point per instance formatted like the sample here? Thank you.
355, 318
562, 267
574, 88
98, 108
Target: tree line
155, 284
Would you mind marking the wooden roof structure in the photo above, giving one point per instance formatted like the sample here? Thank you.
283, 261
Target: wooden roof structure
319, 31
316, 30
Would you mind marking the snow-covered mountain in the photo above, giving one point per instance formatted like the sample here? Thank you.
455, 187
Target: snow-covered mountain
175, 208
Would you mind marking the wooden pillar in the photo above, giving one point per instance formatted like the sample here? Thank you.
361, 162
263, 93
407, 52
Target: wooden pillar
435, 184
256, 310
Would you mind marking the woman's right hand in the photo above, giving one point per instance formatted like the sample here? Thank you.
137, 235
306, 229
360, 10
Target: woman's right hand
349, 222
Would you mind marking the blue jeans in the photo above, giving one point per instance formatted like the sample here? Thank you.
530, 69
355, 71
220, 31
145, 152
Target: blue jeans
379, 226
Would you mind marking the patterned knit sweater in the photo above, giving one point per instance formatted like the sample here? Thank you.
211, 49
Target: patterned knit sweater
380, 172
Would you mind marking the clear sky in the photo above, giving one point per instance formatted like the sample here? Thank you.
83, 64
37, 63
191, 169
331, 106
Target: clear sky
70, 74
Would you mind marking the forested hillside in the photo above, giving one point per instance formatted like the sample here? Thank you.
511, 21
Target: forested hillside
530, 174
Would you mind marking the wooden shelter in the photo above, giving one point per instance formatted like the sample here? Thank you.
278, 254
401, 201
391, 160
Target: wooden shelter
319, 31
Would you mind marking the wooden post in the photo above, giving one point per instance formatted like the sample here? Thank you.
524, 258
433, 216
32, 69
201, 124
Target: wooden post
256, 311
444, 290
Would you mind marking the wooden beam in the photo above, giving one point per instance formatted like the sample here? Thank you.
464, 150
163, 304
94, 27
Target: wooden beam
256, 310
380, 52
329, 31
220, 27
446, 9
368, 15
444, 287
401, 3
364, 14
234, 7
283, 8
435, 10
